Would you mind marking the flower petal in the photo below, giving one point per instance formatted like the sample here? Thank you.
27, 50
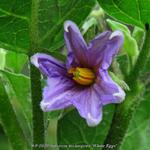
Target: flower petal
104, 47
57, 94
108, 90
99, 41
71, 61
48, 65
95, 48
75, 42
113, 45
89, 106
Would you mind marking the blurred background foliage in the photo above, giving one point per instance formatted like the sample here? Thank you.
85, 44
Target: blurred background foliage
66, 127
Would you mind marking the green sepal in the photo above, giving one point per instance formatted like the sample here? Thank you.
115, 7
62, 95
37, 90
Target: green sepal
139, 35
130, 45
119, 81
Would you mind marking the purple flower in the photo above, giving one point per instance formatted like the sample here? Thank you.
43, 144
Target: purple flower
83, 82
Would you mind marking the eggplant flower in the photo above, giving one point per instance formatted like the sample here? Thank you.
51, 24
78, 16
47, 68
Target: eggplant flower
83, 81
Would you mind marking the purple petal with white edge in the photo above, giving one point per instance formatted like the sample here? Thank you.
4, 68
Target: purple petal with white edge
48, 65
104, 47
75, 42
95, 48
89, 106
57, 94
99, 41
114, 43
108, 90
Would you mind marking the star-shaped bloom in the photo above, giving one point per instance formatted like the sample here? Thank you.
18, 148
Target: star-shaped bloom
83, 81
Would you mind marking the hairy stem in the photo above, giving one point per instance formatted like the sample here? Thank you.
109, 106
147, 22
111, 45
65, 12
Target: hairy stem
37, 114
124, 111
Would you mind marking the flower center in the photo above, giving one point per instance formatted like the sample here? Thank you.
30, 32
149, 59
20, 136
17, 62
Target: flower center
83, 76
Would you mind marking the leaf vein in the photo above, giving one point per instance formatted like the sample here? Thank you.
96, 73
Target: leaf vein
121, 11
14, 15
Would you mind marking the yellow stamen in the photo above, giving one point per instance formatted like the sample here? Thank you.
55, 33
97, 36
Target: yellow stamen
83, 76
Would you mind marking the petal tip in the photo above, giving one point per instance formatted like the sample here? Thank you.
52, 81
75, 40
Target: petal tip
44, 106
116, 33
71, 24
120, 96
34, 60
67, 24
92, 122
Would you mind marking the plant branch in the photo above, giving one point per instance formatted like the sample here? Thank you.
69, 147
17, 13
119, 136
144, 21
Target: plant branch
124, 111
38, 116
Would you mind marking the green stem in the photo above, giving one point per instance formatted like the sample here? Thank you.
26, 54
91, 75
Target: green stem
124, 111
38, 116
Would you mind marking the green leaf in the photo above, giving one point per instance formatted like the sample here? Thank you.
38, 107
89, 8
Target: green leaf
15, 62
130, 45
17, 87
139, 127
15, 22
72, 129
134, 12
9, 121
51, 25
4, 142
